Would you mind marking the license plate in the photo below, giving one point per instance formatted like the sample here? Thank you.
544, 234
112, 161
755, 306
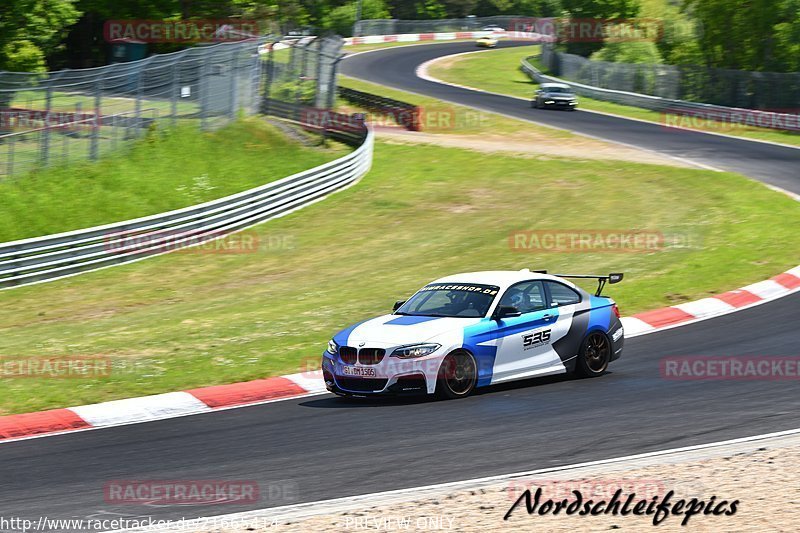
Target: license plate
358, 371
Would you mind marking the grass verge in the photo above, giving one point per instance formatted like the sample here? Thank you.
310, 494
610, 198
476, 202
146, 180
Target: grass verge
167, 170
507, 78
187, 320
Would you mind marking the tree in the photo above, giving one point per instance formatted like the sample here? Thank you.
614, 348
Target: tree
341, 19
600, 12
430, 10
629, 52
756, 35
30, 30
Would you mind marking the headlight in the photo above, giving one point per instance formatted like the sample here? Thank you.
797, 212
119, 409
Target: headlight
549, 102
415, 350
333, 348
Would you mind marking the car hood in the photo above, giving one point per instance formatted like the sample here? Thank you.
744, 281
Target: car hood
395, 330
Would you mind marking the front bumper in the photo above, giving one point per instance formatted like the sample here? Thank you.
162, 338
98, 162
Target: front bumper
391, 376
560, 104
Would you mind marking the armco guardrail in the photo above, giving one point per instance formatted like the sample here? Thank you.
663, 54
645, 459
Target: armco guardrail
55, 256
678, 108
406, 115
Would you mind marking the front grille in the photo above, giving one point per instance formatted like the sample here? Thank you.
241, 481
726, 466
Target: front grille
371, 356
348, 354
361, 384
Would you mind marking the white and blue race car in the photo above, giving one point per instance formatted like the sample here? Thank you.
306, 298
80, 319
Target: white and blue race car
473, 330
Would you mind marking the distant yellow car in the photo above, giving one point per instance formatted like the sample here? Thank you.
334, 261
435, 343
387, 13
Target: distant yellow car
487, 41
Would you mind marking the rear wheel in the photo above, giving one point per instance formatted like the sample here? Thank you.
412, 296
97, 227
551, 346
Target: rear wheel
458, 376
594, 355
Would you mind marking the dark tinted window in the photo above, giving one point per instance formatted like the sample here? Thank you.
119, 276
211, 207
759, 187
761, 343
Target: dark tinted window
526, 297
561, 294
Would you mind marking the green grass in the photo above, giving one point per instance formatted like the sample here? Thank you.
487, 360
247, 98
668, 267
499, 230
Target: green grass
507, 78
167, 170
183, 320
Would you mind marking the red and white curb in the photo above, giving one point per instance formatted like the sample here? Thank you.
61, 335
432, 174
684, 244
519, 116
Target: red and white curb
218, 397
418, 37
445, 36
721, 304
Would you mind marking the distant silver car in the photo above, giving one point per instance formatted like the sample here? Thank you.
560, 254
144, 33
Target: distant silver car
555, 95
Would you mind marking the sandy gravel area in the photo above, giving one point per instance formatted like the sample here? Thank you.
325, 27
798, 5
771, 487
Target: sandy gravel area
530, 144
764, 480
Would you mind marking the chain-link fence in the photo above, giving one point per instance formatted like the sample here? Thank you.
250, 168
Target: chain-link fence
302, 71
732, 88
68, 115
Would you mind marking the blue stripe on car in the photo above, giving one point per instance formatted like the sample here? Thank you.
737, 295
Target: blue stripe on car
488, 330
408, 320
599, 314
341, 337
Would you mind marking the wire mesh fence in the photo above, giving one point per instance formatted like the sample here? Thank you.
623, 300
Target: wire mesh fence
69, 115
302, 71
770, 91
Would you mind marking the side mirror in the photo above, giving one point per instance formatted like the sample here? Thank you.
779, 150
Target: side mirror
506, 311
397, 305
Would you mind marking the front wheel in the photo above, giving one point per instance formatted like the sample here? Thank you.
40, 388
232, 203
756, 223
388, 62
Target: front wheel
594, 355
458, 376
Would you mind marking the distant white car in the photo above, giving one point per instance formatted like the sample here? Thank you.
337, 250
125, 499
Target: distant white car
477, 329
487, 41
493, 28
555, 95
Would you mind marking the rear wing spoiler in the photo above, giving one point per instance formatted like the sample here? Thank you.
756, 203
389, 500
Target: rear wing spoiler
614, 277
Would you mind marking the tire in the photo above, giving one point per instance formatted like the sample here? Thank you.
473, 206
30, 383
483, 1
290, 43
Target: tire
535, 104
458, 376
594, 355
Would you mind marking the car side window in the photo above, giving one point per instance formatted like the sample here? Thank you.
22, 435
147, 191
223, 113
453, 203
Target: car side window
561, 294
526, 297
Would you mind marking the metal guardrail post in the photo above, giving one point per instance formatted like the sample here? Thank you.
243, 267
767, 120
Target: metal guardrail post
98, 110
45, 147
174, 92
234, 84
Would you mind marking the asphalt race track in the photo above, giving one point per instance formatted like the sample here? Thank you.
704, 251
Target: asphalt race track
395, 67
322, 447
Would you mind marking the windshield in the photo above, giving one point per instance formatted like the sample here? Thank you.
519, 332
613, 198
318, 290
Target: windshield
556, 90
450, 300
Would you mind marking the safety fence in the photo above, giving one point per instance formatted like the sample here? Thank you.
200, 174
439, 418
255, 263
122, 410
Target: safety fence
672, 107
55, 256
69, 115
769, 91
